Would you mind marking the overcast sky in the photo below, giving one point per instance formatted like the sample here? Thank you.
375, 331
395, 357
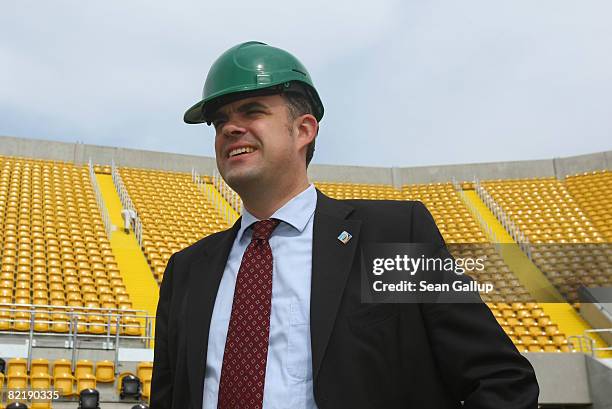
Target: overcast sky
404, 83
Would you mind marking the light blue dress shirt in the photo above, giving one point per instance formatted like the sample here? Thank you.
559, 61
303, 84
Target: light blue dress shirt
288, 381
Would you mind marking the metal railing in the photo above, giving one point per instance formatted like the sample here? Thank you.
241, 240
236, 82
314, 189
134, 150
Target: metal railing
476, 214
225, 200
112, 326
126, 201
197, 179
586, 344
505, 220
103, 210
227, 192
582, 343
595, 348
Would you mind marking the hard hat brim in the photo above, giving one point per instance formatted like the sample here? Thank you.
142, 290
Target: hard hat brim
195, 115
198, 113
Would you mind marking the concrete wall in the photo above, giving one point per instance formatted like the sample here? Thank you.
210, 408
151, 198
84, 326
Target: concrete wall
356, 174
36, 148
598, 316
583, 163
467, 172
562, 378
80, 153
600, 381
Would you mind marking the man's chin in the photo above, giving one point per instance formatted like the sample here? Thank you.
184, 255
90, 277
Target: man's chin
240, 180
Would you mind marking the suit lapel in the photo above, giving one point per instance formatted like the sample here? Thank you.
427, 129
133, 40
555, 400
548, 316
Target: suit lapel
204, 278
331, 263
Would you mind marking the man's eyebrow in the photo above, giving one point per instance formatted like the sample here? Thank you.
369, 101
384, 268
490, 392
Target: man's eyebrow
242, 109
251, 105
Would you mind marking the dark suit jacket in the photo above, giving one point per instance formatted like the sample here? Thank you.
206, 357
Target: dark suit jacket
363, 355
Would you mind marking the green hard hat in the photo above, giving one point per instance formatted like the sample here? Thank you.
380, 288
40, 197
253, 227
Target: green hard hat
249, 69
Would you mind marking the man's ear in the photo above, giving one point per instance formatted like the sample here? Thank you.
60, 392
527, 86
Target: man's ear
307, 127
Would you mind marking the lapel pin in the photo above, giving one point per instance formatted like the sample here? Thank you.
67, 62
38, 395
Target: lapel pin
344, 237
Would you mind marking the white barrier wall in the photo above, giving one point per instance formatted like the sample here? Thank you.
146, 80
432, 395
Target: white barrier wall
80, 153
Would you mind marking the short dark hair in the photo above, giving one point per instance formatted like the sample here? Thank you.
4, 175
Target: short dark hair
298, 104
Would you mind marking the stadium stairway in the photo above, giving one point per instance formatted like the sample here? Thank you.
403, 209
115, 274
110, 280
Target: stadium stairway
222, 205
135, 271
568, 319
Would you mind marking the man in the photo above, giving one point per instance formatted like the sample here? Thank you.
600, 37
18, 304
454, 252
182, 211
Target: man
269, 314
128, 215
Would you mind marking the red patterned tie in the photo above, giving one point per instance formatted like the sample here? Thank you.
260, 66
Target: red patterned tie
246, 348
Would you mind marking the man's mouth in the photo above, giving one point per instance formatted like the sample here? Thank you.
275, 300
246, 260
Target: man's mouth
240, 151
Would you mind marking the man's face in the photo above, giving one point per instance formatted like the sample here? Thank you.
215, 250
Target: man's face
255, 142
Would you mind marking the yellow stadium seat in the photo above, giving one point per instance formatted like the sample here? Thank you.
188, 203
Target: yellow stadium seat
83, 367
144, 370
17, 366
61, 323
61, 367
97, 324
105, 371
146, 387
40, 381
17, 381
39, 366
86, 381
64, 384
5, 317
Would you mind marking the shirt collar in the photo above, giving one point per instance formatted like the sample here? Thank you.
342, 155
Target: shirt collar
296, 212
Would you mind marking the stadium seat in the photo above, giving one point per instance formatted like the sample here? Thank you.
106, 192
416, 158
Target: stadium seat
105, 371
39, 366
61, 323
85, 381
64, 383
17, 380
83, 367
17, 366
62, 367
40, 381
144, 370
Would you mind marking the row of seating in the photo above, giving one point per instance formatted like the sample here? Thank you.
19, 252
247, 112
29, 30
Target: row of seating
173, 211
63, 379
452, 217
592, 191
359, 191
176, 213
104, 371
62, 322
529, 327
548, 215
544, 210
53, 245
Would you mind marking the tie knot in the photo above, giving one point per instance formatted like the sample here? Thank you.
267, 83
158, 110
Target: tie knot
263, 229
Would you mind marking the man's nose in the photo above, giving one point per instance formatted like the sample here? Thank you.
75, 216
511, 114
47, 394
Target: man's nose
233, 128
